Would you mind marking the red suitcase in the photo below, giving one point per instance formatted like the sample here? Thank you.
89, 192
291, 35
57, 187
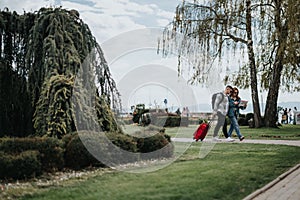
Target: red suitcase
201, 131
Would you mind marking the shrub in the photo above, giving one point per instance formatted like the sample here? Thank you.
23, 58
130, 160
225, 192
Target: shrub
27, 157
159, 141
123, 141
50, 149
242, 121
24, 165
173, 121
109, 148
76, 154
249, 116
126, 150
170, 121
242, 115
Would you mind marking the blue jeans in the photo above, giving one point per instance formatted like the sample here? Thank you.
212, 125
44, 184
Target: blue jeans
234, 125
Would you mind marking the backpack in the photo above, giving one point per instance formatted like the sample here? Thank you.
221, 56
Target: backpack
213, 99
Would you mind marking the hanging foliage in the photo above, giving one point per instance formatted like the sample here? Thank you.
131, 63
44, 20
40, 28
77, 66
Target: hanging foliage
40, 55
268, 30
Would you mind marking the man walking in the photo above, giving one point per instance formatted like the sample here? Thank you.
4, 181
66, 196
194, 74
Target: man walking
220, 109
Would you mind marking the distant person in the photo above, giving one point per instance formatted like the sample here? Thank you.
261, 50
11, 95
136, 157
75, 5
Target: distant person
178, 112
291, 116
220, 109
233, 114
187, 112
294, 115
184, 112
285, 116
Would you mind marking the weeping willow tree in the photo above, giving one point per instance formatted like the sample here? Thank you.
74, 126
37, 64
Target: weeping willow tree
42, 54
267, 30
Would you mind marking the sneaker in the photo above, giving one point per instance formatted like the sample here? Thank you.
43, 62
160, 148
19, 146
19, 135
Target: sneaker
229, 139
215, 139
241, 138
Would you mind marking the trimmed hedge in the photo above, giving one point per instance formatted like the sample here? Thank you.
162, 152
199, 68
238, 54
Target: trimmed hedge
126, 151
126, 142
152, 143
249, 116
28, 157
243, 119
170, 121
24, 165
51, 150
158, 146
76, 154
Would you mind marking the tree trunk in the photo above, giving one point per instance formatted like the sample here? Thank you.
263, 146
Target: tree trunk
254, 91
271, 104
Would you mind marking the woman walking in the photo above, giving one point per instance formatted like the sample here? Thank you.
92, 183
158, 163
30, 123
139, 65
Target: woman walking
233, 112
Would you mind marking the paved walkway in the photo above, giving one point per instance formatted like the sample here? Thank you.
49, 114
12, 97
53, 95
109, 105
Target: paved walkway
282, 142
284, 187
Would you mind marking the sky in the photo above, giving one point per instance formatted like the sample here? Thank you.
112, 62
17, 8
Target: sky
128, 32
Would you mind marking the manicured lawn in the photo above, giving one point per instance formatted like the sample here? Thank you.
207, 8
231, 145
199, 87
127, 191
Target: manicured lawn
284, 132
230, 171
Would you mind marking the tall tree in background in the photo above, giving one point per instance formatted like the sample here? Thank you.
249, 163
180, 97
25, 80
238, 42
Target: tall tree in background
282, 55
221, 28
43, 53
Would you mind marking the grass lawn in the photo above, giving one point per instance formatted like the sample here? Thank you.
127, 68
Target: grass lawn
284, 132
230, 171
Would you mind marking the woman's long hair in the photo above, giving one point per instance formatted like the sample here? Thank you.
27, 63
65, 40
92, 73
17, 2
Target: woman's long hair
235, 89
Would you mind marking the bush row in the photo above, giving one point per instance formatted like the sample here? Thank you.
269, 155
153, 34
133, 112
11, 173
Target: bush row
24, 165
243, 119
28, 157
51, 150
163, 121
170, 121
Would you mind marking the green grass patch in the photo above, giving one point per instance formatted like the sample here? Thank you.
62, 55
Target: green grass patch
284, 132
230, 171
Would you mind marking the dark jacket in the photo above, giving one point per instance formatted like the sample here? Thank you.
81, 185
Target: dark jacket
233, 110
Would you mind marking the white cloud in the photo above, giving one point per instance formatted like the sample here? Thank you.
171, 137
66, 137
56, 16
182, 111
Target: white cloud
78, 6
165, 14
105, 18
123, 7
21, 6
108, 18
162, 22
105, 27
